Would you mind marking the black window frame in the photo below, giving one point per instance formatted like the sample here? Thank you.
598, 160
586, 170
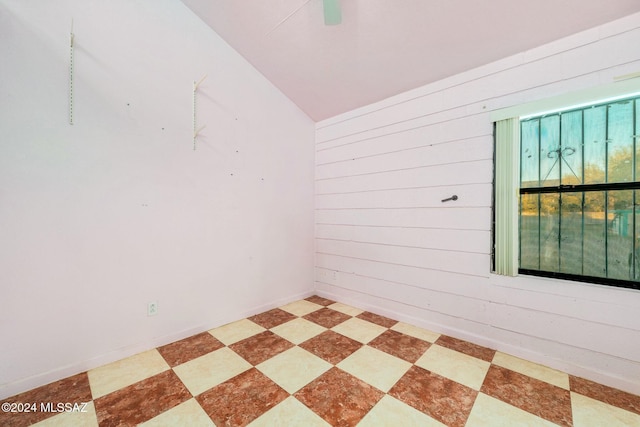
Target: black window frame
585, 188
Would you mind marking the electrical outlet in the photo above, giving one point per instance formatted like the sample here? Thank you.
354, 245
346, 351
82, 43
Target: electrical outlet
152, 309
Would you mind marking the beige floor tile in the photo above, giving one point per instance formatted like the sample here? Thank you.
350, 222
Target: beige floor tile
488, 411
302, 307
208, 371
359, 330
116, 375
289, 413
375, 367
531, 369
294, 368
298, 330
390, 412
415, 331
454, 365
589, 412
188, 413
86, 418
346, 309
237, 331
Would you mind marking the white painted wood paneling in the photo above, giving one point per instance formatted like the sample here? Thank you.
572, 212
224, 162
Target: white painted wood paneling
453, 173
385, 241
607, 313
437, 259
469, 195
427, 238
445, 117
422, 277
426, 154
454, 218
620, 341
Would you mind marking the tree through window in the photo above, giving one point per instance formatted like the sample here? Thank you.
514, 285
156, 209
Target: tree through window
579, 192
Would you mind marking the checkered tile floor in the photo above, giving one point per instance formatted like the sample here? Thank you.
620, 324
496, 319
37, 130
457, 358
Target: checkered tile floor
316, 362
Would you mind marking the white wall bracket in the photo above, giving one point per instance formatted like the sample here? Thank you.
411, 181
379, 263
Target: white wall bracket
196, 130
71, 37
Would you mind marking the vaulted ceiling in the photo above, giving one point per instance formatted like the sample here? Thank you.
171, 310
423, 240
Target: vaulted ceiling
384, 47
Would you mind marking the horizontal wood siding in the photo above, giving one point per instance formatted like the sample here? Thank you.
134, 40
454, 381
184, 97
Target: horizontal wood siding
387, 242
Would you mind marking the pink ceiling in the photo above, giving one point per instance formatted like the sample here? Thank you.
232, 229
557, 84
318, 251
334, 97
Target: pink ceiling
384, 47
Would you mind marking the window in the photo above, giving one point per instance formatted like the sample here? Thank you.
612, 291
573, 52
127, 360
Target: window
579, 188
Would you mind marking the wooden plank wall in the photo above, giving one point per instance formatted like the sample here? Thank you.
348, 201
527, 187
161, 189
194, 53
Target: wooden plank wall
386, 242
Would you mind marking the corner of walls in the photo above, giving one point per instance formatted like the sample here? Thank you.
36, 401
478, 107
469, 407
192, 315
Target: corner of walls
118, 210
385, 242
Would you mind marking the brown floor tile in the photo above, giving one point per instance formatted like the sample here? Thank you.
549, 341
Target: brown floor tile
258, 348
331, 346
339, 398
612, 396
441, 398
466, 347
529, 394
241, 399
319, 300
400, 345
141, 401
188, 349
377, 319
272, 318
74, 389
327, 317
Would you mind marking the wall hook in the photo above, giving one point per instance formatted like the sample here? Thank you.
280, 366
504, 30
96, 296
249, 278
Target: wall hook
454, 197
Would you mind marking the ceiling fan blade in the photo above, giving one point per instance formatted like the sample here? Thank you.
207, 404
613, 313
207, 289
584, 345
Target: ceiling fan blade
332, 12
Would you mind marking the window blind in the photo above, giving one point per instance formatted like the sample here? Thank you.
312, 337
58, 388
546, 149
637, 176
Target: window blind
506, 193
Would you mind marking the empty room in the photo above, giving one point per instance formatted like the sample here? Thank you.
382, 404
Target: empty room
320, 213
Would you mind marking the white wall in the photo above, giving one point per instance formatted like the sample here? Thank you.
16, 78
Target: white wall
103, 216
384, 240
